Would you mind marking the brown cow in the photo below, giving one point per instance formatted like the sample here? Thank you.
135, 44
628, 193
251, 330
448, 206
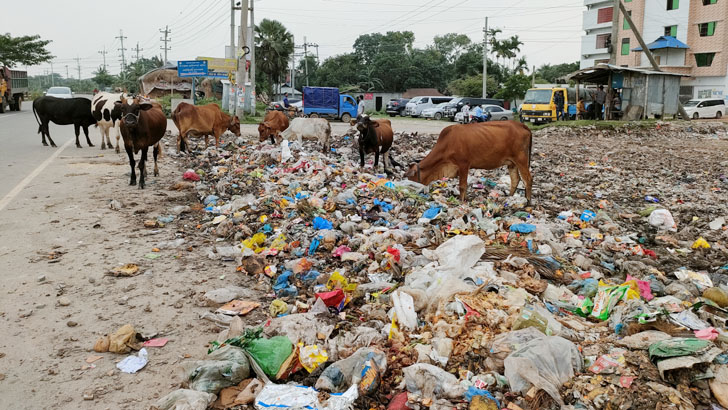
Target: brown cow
272, 125
204, 120
143, 124
374, 136
479, 146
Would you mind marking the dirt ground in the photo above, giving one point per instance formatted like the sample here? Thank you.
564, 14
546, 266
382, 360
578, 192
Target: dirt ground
60, 238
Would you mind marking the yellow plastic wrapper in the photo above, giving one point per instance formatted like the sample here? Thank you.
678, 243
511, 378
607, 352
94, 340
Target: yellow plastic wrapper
255, 242
311, 357
278, 307
279, 242
337, 281
700, 243
394, 329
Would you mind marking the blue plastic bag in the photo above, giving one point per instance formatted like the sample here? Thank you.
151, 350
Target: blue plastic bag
587, 215
386, 207
432, 212
314, 245
474, 391
523, 228
321, 223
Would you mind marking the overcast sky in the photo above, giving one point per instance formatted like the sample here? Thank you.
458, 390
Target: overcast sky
550, 30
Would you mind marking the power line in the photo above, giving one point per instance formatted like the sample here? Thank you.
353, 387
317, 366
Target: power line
166, 39
103, 53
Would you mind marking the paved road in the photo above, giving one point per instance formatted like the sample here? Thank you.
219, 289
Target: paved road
22, 151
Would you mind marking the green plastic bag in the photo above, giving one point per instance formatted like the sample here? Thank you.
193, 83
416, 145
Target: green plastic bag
270, 353
678, 346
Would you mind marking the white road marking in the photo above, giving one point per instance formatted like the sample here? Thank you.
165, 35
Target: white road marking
28, 179
7, 115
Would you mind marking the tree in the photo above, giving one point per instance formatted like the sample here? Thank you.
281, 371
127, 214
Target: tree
368, 81
103, 79
369, 46
451, 45
550, 73
339, 71
273, 49
472, 86
26, 50
312, 71
514, 87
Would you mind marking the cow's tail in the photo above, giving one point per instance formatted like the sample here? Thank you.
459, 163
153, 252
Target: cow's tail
40, 127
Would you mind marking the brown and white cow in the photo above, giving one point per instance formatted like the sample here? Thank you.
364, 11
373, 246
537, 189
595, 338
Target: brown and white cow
143, 125
204, 121
273, 124
481, 146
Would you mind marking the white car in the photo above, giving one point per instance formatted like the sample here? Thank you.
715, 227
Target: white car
59, 92
416, 105
705, 108
436, 112
497, 113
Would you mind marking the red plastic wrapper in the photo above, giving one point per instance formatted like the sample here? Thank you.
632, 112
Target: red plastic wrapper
333, 298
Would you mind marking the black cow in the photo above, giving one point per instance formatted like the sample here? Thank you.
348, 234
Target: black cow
63, 111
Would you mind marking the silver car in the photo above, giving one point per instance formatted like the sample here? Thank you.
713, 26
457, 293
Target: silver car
436, 112
59, 92
497, 113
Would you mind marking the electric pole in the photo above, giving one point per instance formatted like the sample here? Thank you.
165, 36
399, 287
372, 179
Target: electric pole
53, 75
613, 40
485, 59
305, 58
242, 45
78, 65
66, 71
166, 39
122, 49
103, 53
252, 55
231, 52
137, 49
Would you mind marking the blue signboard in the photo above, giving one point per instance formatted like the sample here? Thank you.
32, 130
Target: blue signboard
192, 68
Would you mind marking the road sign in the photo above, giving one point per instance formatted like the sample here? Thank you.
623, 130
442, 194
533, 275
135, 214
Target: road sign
219, 67
192, 68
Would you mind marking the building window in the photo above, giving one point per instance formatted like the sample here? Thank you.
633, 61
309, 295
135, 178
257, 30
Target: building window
673, 4
604, 15
705, 93
671, 31
704, 59
625, 46
625, 25
706, 29
708, 2
602, 40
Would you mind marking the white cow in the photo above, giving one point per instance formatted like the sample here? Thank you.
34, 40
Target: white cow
317, 129
107, 116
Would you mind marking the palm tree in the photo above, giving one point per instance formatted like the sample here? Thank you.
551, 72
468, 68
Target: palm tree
273, 49
521, 65
513, 46
368, 81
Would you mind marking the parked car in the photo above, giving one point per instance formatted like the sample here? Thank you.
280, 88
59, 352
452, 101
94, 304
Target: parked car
456, 104
497, 113
705, 108
59, 92
396, 106
417, 104
436, 112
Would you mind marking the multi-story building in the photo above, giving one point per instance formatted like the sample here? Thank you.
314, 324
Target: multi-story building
699, 26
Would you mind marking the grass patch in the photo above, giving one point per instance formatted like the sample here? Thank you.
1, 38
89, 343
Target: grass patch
602, 125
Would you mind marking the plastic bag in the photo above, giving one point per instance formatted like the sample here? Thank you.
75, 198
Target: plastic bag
523, 228
462, 251
285, 151
270, 354
432, 382
224, 367
185, 399
286, 396
343, 373
545, 363
663, 220
405, 309
506, 343
311, 357
608, 297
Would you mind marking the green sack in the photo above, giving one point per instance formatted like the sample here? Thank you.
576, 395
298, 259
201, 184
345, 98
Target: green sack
678, 346
270, 353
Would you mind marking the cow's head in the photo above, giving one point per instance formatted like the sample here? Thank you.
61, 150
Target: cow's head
265, 131
130, 109
234, 125
413, 173
366, 126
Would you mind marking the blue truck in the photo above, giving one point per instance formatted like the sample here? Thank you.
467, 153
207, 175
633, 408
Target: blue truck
327, 102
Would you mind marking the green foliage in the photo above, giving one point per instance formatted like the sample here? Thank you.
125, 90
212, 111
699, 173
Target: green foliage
549, 73
451, 45
25, 50
515, 87
205, 101
166, 102
472, 86
103, 79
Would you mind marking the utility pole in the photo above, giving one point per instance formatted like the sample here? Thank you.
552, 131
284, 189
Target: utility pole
485, 59
103, 53
252, 56
137, 49
648, 53
613, 40
231, 53
53, 75
240, 77
305, 58
66, 71
166, 39
78, 65
533, 77
122, 49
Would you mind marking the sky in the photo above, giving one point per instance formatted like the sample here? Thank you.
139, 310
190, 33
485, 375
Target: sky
551, 31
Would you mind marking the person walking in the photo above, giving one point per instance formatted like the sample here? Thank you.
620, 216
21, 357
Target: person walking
559, 103
286, 104
360, 106
600, 97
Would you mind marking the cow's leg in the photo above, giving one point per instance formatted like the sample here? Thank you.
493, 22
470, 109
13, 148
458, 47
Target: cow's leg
41, 130
463, 171
118, 135
385, 159
272, 139
85, 132
361, 157
376, 159
515, 179
142, 167
103, 130
77, 130
130, 153
48, 134
526, 177
155, 152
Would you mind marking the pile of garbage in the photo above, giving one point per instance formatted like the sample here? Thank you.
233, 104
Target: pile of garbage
381, 293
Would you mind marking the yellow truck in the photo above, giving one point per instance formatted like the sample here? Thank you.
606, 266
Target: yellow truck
538, 104
13, 86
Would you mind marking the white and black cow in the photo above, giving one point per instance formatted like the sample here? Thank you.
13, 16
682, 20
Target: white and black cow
107, 115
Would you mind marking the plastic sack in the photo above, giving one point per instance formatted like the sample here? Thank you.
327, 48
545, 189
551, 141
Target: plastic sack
225, 367
545, 363
663, 220
461, 251
287, 396
185, 399
506, 343
343, 373
404, 307
270, 354
432, 382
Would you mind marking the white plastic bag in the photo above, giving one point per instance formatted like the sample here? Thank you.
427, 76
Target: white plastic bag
185, 399
663, 220
132, 364
404, 307
545, 363
287, 396
285, 151
432, 382
461, 251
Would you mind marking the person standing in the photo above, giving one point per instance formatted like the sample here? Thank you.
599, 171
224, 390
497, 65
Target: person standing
286, 104
466, 113
580, 109
600, 98
360, 106
559, 103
